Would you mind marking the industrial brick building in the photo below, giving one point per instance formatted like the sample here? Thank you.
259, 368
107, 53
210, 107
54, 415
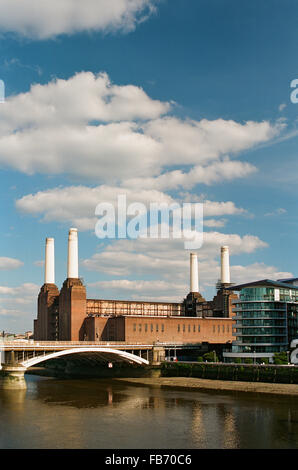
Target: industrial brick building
68, 315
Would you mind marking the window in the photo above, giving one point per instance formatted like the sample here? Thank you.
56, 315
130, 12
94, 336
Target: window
151, 326
194, 328
213, 328
218, 328
140, 327
134, 327
178, 328
157, 327
199, 328
146, 327
188, 328
223, 328
183, 328
162, 327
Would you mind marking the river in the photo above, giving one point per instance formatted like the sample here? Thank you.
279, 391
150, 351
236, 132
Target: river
109, 414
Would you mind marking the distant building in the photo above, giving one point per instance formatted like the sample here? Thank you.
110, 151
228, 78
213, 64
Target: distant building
266, 319
68, 315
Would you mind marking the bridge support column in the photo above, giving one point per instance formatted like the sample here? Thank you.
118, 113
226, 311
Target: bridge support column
158, 355
13, 377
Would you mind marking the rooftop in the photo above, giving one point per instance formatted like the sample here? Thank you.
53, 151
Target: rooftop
264, 283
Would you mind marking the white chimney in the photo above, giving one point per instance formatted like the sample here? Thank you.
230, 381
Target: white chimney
49, 273
194, 274
73, 255
225, 265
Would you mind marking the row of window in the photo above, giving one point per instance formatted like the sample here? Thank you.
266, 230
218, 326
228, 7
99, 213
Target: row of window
180, 328
162, 329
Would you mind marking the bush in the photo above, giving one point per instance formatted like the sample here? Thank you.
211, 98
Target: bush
200, 359
210, 356
280, 358
248, 360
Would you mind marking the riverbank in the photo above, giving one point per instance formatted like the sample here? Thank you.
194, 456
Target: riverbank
191, 383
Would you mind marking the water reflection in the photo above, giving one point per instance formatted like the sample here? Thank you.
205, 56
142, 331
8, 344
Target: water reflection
56, 413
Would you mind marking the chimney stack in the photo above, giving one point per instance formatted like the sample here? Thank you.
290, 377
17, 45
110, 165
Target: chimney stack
194, 274
49, 277
225, 265
73, 255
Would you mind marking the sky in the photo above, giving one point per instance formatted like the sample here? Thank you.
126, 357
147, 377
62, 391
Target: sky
168, 101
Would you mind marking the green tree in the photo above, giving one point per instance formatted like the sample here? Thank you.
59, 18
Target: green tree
210, 356
248, 360
280, 358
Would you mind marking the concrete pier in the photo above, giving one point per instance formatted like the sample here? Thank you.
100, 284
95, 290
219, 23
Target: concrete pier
12, 377
158, 355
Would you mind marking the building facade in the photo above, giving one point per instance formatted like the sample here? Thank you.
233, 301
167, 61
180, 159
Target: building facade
265, 319
68, 315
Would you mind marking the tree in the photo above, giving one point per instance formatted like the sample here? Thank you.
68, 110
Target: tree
210, 356
280, 358
248, 360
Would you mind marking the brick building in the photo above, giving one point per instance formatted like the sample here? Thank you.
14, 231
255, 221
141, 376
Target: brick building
68, 315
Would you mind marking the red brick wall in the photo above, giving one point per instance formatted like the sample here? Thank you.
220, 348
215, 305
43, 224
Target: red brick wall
132, 329
72, 310
47, 295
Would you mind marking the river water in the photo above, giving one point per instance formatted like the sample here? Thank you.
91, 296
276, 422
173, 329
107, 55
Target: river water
109, 414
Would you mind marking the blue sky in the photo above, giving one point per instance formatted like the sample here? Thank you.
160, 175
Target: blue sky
197, 86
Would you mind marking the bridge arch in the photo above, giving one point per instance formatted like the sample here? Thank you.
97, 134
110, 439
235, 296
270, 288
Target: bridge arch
109, 352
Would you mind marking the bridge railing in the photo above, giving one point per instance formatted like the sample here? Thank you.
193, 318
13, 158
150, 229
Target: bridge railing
64, 343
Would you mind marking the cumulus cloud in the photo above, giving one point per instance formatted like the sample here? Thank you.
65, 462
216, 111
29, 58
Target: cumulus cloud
86, 126
6, 264
168, 265
43, 20
19, 301
210, 138
156, 257
76, 204
241, 274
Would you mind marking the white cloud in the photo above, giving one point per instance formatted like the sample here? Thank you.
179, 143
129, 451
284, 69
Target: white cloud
221, 170
26, 289
19, 301
214, 223
7, 264
279, 211
43, 20
165, 257
282, 106
76, 205
208, 139
86, 126
256, 271
168, 269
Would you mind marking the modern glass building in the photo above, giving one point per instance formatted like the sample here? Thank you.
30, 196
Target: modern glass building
266, 319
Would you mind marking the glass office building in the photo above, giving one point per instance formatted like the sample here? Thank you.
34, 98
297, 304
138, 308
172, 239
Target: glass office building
266, 319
